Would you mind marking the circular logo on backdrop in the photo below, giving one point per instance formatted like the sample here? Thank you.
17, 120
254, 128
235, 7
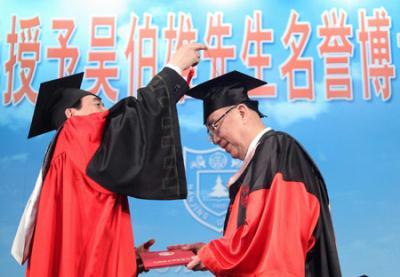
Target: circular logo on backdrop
218, 160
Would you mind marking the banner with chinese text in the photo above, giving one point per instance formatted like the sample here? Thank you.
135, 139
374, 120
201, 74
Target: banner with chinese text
332, 71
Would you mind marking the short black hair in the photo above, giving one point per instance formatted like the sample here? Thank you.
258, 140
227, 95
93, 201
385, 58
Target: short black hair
77, 105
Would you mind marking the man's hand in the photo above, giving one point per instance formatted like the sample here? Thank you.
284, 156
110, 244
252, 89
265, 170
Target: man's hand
145, 247
196, 264
187, 55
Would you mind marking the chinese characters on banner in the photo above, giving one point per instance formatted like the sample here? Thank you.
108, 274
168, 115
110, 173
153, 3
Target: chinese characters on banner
103, 63
296, 37
24, 49
103, 50
336, 50
255, 34
67, 56
376, 55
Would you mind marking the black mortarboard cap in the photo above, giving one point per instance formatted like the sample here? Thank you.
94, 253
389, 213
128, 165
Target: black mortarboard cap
54, 97
226, 90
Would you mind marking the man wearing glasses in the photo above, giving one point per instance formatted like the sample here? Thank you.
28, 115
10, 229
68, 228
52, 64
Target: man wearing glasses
278, 221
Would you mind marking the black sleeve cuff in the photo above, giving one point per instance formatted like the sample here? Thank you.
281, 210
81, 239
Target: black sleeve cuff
175, 82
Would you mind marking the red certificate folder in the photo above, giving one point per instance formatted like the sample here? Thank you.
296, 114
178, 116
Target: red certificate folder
166, 258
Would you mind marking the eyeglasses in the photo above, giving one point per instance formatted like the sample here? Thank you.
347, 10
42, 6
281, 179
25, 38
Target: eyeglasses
213, 127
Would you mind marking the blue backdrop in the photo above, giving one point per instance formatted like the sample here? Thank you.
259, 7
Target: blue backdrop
350, 127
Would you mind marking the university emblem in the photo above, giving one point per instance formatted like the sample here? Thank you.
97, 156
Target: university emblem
208, 172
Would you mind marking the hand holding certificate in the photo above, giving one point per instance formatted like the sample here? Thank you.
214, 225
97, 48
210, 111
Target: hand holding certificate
195, 264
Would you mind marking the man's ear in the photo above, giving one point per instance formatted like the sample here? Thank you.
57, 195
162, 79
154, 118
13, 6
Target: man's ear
68, 112
243, 111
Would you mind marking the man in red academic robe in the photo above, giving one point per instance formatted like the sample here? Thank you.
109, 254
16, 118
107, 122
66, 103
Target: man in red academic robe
82, 225
278, 222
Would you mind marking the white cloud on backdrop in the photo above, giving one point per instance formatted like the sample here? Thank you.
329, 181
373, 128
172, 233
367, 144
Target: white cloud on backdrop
287, 112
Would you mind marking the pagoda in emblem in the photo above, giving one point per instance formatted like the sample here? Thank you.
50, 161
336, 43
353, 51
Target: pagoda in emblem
219, 190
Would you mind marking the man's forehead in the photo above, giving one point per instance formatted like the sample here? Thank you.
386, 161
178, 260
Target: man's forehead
91, 98
215, 114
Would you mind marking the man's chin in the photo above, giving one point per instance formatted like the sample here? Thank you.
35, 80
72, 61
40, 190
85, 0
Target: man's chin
233, 154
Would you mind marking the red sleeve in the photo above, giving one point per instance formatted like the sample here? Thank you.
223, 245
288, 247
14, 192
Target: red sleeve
275, 238
78, 141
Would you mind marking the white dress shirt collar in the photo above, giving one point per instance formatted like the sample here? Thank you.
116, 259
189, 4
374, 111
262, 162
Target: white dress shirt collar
249, 155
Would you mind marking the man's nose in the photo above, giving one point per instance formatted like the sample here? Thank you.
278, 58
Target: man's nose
216, 139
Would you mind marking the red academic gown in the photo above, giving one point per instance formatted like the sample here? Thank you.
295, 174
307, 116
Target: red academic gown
278, 223
83, 226
82, 229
